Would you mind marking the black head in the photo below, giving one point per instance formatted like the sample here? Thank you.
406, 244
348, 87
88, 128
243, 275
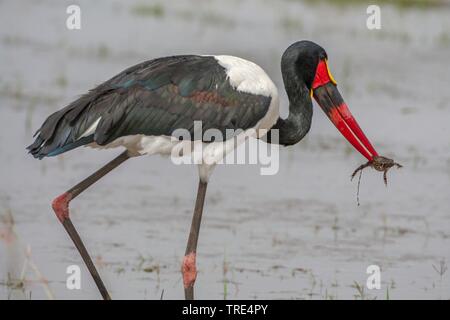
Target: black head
305, 73
301, 59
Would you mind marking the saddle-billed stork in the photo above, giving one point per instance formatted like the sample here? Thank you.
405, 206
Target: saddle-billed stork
141, 107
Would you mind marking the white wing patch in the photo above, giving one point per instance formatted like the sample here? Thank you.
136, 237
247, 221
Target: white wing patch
247, 76
91, 129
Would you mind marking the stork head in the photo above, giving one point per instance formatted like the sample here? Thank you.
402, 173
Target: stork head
307, 62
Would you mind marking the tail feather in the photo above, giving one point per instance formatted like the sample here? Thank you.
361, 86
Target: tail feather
59, 132
81, 142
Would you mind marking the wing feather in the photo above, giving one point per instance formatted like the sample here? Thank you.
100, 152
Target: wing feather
155, 97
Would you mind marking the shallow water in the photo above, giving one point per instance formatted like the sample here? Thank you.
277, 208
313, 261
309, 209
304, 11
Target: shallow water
296, 235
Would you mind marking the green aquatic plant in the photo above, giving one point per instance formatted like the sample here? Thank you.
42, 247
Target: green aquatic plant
148, 10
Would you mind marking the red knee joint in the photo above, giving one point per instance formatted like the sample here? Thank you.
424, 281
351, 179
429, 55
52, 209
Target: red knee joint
189, 270
61, 206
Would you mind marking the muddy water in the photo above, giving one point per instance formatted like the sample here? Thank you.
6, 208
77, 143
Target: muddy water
295, 235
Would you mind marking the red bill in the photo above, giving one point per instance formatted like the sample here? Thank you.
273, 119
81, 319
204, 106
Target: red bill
330, 100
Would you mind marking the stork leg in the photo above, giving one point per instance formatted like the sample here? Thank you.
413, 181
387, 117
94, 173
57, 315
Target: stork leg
61, 207
188, 268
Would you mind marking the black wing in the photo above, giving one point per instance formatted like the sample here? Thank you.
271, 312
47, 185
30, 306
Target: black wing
155, 97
